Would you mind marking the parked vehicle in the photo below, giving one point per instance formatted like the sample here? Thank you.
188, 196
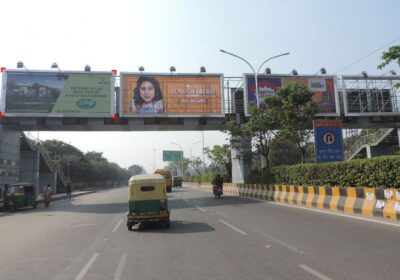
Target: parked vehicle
18, 195
177, 181
147, 200
166, 173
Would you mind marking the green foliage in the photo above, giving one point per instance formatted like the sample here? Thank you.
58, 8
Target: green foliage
380, 172
136, 170
90, 168
221, 161
391, 55
260, 127
294, 109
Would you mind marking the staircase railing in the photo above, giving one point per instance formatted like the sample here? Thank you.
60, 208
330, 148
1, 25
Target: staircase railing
53, 166
370, 139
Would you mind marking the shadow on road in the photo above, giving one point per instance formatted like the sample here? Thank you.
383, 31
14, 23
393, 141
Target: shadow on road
176, 227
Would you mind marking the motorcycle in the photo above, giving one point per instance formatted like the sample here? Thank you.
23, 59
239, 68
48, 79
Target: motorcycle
217, 191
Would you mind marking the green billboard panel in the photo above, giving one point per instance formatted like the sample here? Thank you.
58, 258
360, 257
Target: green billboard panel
58, 93
172, 155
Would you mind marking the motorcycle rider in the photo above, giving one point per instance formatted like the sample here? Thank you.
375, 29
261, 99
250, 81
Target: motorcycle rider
217, 182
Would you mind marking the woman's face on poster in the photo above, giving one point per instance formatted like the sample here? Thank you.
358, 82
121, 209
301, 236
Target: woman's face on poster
147, 91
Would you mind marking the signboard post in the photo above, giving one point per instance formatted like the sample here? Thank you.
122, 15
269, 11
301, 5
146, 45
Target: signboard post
328, 141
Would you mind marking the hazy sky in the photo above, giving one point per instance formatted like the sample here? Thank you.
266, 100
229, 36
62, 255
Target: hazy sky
157, 34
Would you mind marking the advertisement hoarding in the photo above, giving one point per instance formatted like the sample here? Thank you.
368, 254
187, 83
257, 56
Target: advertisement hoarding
165, 94
323, 89
328, 141
36, 93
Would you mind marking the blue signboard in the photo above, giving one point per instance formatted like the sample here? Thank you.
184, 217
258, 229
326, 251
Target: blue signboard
172, 155
328, 141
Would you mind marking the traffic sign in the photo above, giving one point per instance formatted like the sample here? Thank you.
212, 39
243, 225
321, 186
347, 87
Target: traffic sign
328, 140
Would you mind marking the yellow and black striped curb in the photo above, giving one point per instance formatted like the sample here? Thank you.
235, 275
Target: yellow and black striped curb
384, 203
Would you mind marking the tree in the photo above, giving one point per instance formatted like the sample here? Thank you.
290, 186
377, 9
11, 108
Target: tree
294, 109
220, 156
391, 55
261, 128
135, 170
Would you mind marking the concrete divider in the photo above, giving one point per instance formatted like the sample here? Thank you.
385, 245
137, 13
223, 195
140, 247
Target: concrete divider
370, 202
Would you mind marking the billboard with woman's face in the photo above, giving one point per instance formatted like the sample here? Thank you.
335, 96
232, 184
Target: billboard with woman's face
323, 89
166, 94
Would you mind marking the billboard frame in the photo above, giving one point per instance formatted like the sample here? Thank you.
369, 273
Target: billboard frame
308, 76
57, 115
171, 115
346, 112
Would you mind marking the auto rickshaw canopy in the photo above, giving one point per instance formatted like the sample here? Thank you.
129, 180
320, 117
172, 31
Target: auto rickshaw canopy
147, 187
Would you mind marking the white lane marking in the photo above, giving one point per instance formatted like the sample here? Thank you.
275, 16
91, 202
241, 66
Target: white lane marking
185, 199
280, 242
80, 225
201, 209
120, 267
221, 214
314, 272
126, 213
86, 267
396, 224
338, 214
116, 227
232, 227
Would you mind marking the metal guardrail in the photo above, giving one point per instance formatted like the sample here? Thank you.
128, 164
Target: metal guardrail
370, 139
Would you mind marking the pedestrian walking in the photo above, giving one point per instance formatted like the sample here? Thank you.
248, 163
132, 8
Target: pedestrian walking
68, 191
47, 192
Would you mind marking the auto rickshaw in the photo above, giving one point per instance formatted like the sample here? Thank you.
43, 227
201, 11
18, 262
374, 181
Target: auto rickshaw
147, 200
19, 195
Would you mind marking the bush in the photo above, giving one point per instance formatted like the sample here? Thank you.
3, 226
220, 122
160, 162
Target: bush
379, 172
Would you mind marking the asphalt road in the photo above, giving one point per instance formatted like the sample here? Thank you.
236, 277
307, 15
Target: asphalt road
228, 238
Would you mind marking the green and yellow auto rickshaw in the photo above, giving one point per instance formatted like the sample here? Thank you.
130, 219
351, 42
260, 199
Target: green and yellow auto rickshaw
19, 195
147, 200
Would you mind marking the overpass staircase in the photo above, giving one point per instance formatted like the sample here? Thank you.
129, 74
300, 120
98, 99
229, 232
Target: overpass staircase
365, 141
44, 154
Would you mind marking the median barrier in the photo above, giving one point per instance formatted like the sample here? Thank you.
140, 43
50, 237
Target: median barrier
370, 202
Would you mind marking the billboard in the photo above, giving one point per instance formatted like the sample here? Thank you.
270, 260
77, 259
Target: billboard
172, 155
328, 141
35, 93
323, 89
166, 94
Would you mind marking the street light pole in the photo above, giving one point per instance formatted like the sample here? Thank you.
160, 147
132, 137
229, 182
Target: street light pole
191, 154
254, 72
154, 160
181, 157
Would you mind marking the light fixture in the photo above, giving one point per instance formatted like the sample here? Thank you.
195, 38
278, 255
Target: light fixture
172, 69
141, 68
20, 65
55, 66
323, 71
392, 72
268, 71
203, 69
294, 72
87, 68
364, 74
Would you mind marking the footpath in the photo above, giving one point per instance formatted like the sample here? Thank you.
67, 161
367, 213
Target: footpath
61, 196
